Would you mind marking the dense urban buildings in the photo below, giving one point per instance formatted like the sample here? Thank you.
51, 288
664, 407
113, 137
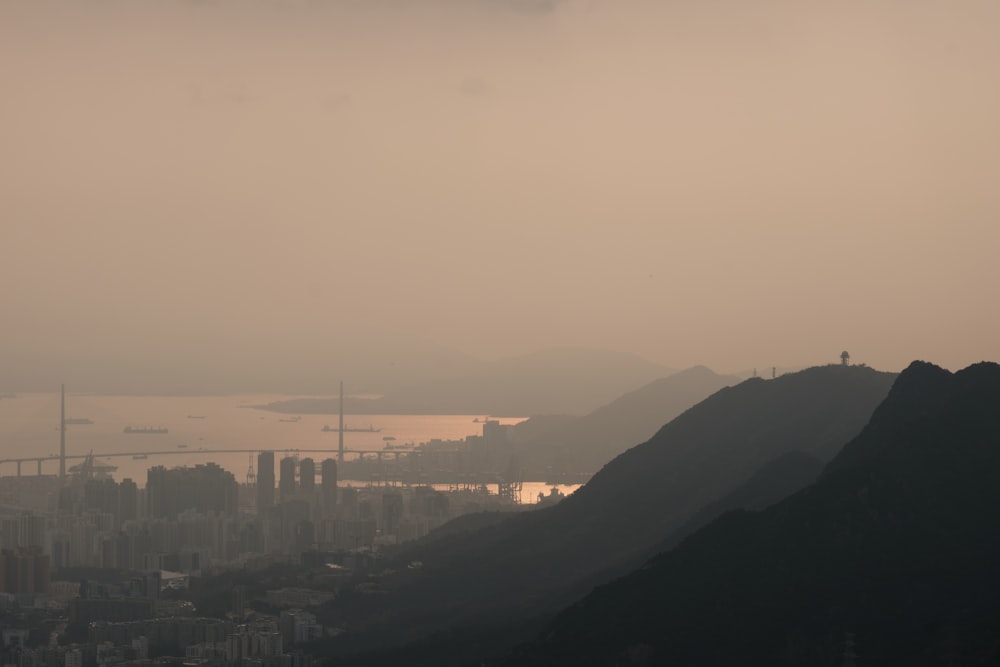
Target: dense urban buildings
24, 570
204, 488
195, 521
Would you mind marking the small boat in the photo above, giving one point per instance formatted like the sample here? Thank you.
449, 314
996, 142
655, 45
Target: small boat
196, 416
138, 457
182, 446
79, 420
290, 419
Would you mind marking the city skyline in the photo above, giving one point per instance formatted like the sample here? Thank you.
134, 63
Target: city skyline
499, 332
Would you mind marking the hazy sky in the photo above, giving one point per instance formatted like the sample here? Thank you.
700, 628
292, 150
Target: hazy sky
722, 182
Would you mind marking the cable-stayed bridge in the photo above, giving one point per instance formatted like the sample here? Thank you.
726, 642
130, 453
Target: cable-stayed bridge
360, 454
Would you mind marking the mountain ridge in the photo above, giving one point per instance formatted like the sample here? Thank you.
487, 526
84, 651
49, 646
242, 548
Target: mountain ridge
538, 562
591, 440
895, 545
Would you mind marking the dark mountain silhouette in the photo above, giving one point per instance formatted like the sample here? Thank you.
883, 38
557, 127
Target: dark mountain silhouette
894, 547
588, 442
561, 380
778, 479
538, 562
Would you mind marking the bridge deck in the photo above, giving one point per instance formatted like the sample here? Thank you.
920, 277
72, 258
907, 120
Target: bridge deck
333, 453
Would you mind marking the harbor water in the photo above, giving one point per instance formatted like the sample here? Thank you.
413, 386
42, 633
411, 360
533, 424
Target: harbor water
183, 427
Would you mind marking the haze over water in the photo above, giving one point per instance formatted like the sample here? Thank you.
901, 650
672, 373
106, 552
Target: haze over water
600, 213
29, 427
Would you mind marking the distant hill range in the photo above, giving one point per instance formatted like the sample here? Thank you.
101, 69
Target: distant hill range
586, 443
555, 381
537, 562
890, 558
373, 362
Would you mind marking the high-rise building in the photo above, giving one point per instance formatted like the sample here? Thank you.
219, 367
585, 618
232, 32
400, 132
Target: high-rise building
307, 479
286, 483
128, 500
102, 495
329, 470
265, 481
156, 491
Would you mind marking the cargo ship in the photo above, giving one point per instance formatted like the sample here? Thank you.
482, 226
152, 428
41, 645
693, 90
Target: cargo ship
146, 430
348, 429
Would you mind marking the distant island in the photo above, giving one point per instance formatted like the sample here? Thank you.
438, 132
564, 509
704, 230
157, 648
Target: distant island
327, 406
